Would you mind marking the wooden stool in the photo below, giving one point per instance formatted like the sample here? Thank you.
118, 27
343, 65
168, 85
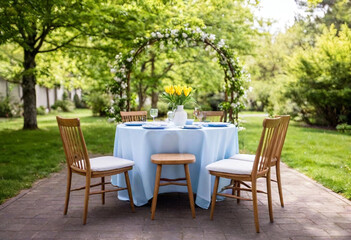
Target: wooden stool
172, 159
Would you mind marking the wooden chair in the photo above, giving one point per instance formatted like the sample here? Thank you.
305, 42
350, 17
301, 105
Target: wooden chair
172, 159
133, 116
241, 171
214, 114
78, 162
283, 128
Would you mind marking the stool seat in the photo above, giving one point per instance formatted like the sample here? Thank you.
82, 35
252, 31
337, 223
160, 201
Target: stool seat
173, 158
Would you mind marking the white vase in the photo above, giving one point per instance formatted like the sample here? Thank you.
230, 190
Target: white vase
180, 116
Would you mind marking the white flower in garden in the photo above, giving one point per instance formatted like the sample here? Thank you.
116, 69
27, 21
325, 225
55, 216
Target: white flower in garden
112, 101
159, 35
186, 24
130, 59
233, 105
212, 37
174, 33
153, 34
250, 89
204, 36
184, 35
132, 52
176, 40
221, 43
113, 70
112, 110
167, 35
124, 85
122, 70
117, 79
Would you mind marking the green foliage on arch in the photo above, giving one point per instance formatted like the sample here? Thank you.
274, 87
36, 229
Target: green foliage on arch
234, 76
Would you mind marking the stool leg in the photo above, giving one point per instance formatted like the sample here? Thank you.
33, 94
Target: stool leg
157, 186
190, 190
103, 189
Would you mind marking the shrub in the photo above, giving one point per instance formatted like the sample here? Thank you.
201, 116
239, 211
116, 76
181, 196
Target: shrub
344, 128
322, 86
41, 110
78, 103
63, 105
162, 109
5, 109
98, 102
10, 109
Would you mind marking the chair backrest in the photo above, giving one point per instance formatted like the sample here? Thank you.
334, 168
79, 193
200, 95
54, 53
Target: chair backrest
73, 144
214, 114
283, 129
133, 116
266, 146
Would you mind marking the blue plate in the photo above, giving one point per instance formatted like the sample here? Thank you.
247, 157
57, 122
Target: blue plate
134, 123
192, 127
154, 127
218, 124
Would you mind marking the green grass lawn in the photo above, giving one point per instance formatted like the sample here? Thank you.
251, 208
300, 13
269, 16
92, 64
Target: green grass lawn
30, 155
26, 156
323, 155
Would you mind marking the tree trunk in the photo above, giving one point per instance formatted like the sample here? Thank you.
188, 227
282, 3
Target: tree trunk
154, 93
154, 99
29, 94
55, 94
140, 95
48, 99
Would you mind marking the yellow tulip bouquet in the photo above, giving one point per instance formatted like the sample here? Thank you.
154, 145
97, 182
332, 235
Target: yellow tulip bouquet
177, 95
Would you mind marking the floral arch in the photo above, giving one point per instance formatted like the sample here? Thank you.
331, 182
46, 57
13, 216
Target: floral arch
188, 37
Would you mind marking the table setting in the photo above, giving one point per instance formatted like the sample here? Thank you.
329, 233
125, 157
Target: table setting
208, 141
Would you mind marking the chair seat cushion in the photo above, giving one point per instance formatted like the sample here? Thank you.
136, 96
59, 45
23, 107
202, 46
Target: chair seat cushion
232, 166
244, 157
109, 163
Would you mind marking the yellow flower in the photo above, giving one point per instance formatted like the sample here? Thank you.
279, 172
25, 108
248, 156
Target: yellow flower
178, 90
187, 91
172, 90
168, 89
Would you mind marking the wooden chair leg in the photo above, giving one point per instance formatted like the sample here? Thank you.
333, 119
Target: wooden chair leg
277, 172
254, 203
126, 175
214, 196
102, 189
86, 199
157, 186
238, 192
190, 190
269, 195
68, 190
233, 183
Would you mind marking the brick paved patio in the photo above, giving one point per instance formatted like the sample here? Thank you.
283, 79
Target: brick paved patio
311, 212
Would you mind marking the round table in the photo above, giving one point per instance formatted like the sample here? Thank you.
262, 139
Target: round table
208, 144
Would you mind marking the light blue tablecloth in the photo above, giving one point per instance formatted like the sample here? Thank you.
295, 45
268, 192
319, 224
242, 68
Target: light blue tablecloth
138, 144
